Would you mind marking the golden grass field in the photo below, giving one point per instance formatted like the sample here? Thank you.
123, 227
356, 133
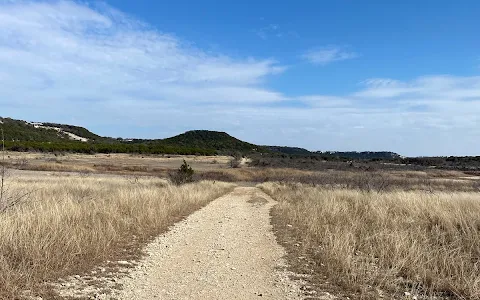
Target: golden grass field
68, 224
112, 163
365, 235
218, 168
416, 242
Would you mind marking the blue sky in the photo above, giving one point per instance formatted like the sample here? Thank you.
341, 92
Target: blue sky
324, 75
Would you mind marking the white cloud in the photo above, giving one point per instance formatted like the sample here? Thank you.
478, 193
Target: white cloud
325, 101
326, 55
66, 50
430, 115
437, 87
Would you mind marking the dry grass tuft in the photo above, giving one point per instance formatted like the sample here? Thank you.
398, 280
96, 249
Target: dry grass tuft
398, 241
70, 224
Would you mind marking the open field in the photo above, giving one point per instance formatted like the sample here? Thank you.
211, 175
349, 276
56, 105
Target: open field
370, 244
361, 234
218, 168
68, 224
112, 163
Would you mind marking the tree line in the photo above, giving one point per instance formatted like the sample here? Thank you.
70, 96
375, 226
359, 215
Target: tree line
91, 148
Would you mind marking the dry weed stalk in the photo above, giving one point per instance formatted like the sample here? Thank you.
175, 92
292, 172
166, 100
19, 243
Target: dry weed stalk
3, 172
8, 198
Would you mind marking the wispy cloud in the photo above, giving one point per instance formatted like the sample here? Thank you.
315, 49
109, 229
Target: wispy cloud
268, 31
326, 55
275, 31
66, 50
427, 87
326, 101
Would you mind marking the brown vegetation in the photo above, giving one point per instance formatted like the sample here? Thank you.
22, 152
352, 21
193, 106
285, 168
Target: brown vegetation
112, 163
372, 232
71, 223
376, 180
219, 168
382, 244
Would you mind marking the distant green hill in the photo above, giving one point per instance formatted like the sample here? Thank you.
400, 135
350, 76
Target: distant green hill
219, 141
29, 136
338, 154
80, 131
35, 136
289, 150
17, 130
361, 155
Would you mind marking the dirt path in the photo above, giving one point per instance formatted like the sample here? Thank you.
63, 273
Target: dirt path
226, 250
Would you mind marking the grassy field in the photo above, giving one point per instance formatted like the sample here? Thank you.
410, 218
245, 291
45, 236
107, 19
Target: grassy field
382, 244
219, 168
361, 234
112, 163
67, 223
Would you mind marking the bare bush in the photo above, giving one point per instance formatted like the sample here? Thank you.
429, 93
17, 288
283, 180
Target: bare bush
235, 161
7, 200
476, 185
3, 173
215, 176
84, 173
133, 179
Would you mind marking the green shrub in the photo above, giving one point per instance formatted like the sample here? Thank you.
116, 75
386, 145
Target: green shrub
183, 175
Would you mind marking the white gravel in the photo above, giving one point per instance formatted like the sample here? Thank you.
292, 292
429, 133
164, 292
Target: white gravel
226, 250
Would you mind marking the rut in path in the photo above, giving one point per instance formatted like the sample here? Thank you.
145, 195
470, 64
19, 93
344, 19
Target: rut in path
227, 250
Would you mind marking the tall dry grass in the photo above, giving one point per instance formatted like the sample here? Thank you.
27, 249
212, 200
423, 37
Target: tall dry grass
69, 224
378, 180
419, 242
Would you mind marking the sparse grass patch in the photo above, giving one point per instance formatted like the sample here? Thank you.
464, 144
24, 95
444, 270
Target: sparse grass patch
70, 224
417, 241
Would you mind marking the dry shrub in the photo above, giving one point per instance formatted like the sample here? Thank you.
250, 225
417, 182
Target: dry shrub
235, 162
215, 176
365, 181
415, 241
72, 223
476, 185
52, 167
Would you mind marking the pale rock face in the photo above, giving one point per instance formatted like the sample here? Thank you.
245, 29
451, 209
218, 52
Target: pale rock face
69, 134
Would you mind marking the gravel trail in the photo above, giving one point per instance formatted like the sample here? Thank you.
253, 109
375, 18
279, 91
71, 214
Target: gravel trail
226, 250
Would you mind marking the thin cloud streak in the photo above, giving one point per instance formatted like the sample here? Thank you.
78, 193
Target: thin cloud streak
327, 55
